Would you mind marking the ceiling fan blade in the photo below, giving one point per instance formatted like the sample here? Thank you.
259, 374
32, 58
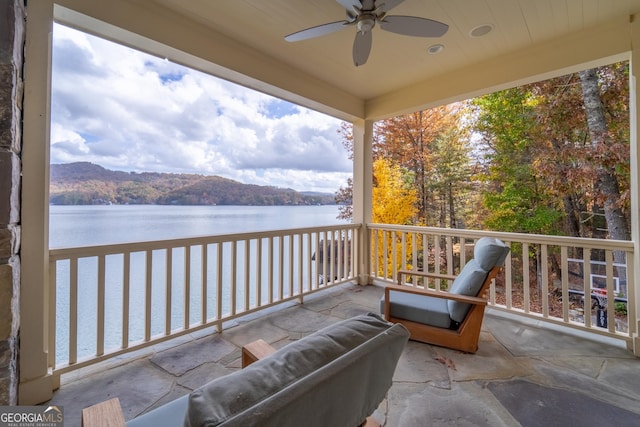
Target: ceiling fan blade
361, 47
413, 26
317, 31
350, 4
385, 6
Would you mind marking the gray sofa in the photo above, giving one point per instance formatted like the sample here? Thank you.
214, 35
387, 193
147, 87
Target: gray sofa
335, 377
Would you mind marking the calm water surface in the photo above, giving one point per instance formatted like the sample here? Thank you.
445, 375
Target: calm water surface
71, 226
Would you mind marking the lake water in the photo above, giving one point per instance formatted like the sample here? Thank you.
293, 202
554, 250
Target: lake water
71, 226
74, 226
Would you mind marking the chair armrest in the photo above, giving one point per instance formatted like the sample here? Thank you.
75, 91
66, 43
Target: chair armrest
254, 351
103, 414
423, 274
432, 293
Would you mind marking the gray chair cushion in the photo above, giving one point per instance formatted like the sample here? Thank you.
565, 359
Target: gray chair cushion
336, 376
418, 308
490, 252
468, 283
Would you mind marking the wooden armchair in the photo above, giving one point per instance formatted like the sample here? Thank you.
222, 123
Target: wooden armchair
449, 319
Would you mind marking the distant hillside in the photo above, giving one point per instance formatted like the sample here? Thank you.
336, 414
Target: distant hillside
86, 183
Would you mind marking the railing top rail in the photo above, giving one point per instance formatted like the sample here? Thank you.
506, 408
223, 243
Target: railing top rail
118, 248
514, 237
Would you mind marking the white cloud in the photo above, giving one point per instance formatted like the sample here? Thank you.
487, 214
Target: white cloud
126, 110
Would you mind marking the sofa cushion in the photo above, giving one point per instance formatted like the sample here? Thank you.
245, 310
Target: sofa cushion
468, 283
169, 414
490, 252
342, 371
418, 308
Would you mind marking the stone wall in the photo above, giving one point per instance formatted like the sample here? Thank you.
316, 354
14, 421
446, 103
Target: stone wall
12, 33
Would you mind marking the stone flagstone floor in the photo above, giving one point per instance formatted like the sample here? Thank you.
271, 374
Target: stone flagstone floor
524, 374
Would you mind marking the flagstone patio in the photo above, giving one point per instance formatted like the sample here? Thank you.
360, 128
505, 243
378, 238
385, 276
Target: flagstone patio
524, 373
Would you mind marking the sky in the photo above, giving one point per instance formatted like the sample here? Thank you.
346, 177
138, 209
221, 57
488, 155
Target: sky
125, 110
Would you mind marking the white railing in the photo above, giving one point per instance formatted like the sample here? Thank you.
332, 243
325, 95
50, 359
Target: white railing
545, 277
113, 299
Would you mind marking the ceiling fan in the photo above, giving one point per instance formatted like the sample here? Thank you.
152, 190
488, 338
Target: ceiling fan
364, 14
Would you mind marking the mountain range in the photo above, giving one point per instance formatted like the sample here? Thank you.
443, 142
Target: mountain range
84, 183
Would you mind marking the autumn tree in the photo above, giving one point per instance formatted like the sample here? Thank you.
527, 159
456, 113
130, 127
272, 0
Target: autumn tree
433, 144
553, 158
394, 198
560, 133
451, 183
394, 202
583, 132
514, 196
558, 157
603, 143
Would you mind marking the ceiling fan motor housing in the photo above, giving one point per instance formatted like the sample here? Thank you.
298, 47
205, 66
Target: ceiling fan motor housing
366, 22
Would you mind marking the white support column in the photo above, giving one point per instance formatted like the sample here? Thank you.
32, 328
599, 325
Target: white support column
36, 383
634, 96
362, 190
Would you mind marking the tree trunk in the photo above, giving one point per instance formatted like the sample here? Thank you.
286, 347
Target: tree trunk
572, 216
452, 210
572, 212
606, 181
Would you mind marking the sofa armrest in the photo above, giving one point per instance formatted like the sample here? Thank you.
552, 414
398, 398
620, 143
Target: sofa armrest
103, 414
109, 413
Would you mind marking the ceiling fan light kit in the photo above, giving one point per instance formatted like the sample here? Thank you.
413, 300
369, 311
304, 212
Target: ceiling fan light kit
364, 14
366, 23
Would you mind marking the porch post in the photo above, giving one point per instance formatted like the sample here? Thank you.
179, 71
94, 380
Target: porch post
362, 191
36, 382
634, 119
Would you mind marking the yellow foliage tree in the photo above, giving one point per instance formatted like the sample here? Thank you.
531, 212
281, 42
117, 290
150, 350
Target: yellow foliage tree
394, 198
394, 202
